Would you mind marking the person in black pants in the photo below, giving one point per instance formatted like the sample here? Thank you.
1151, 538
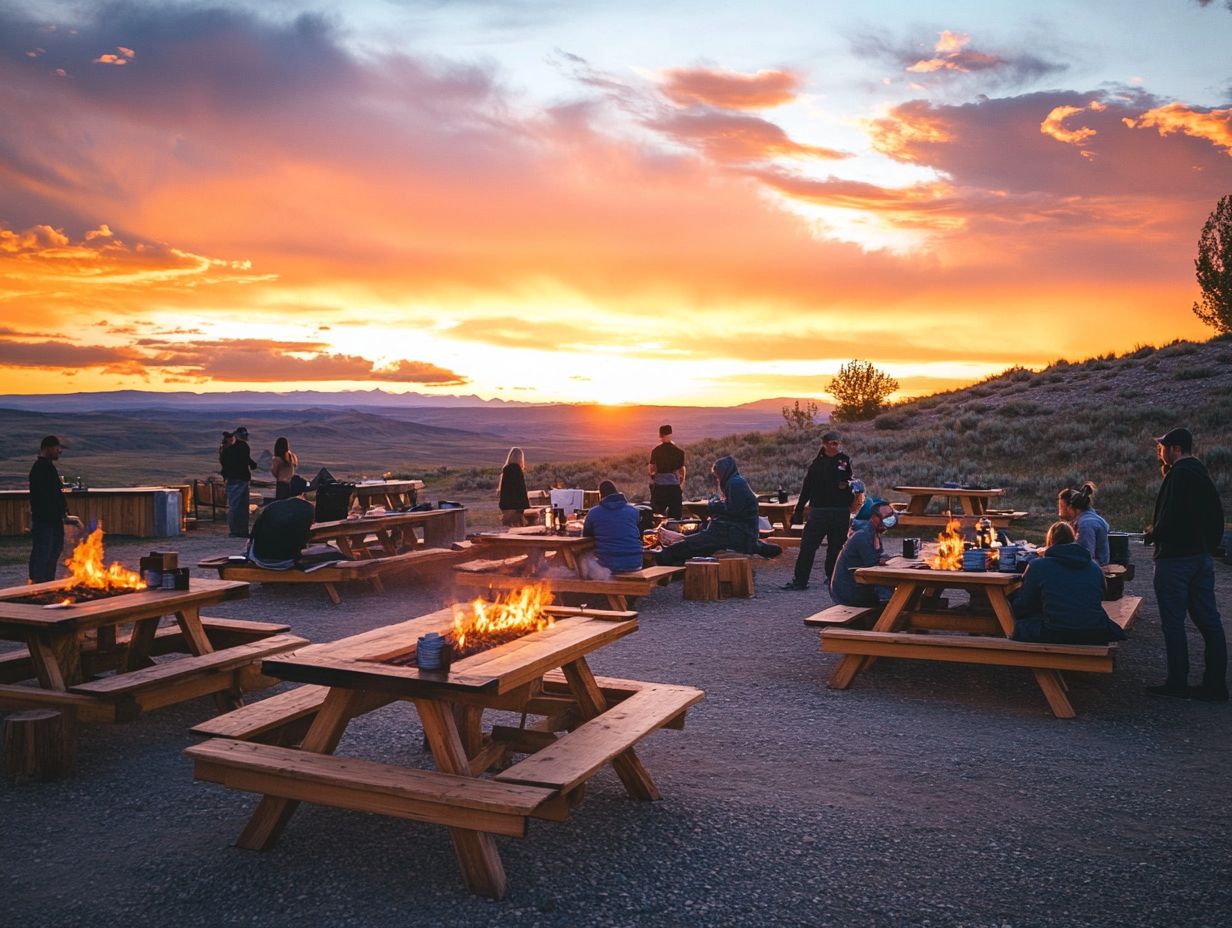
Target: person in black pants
237, 467
667, 472
48, 512
827, 492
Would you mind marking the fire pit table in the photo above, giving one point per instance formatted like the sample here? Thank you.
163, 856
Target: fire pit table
600, 720
69, 646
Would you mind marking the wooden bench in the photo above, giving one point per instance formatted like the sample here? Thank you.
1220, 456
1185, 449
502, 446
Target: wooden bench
330, 575
573, 758
229, 671
367, 786
837, 616
169, 639
618, 590
985, 649
279, 719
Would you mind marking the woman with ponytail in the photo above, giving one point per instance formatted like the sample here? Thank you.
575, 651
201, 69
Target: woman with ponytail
1090, 527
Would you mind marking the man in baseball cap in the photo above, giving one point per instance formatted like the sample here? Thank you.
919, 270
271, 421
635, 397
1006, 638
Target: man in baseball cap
48, 512
1187, 528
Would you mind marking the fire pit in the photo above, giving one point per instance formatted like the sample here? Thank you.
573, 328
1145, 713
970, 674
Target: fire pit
88, 578
482, 624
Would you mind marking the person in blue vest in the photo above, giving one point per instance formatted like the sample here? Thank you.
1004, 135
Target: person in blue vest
733, 521
614, 525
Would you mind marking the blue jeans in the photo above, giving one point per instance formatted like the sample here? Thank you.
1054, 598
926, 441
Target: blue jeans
1187, 585
45, 551
237, 507
830, 524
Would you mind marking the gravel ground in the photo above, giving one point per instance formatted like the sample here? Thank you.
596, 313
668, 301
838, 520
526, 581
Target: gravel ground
924, 795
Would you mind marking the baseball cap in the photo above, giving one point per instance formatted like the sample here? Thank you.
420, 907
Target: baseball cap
241, 432
1182, 437
50, 442
830, 436
665, 430
298, 485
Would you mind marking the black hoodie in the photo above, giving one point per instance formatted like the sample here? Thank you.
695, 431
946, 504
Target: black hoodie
1188, 514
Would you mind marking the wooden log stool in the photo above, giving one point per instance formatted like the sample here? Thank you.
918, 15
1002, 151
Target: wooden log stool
735, 576
39, 744
701, 579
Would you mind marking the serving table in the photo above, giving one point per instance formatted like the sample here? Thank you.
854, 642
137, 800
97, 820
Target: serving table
372, 669
146, 512
66, 648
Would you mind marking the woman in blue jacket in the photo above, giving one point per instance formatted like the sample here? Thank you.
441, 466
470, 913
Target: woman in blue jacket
1061, 597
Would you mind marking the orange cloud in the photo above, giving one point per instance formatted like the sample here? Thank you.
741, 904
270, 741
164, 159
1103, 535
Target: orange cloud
1215, 126
952, 54
730, 89
124, 56
737, 138
1054, 123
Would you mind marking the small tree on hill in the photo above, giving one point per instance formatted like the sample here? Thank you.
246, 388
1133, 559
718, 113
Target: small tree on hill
799, 418
1213, 268
861, 391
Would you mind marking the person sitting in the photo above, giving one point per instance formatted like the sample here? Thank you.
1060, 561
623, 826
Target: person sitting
1061, 597
280, 532
1090, 528
615, 526
863, 549
733, 522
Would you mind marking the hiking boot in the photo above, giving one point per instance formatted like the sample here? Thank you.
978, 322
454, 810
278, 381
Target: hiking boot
767, 550
792, 585
1167, 689
1209, 693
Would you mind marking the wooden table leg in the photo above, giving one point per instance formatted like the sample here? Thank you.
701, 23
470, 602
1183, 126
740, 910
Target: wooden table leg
189, 620
478, 858
273, 812
591, 702
56, 659
139, 644
1050, 682
890, 618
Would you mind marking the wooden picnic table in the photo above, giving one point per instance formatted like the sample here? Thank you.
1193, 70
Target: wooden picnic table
906, 625
393, 531
372, 669
772, 509
68, 646
965, 504
392, 494
534, 542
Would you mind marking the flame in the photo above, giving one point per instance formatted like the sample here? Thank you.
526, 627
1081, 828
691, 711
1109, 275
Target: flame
86, 567
486, 624
949, 547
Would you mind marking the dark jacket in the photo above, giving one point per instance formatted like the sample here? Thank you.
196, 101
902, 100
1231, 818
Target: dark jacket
513, 488
821, 488
47, 502
614, 525
237, 462
281, 530
738, 510
861, 550
1188, 513
1065, 588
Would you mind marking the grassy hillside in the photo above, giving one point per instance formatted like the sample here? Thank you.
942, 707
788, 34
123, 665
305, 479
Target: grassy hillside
1029, 432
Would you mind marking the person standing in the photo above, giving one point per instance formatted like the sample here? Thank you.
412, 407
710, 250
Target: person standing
283, 467
827, 492
1188, 526
237, 467
667, 472
514, 500
48, 512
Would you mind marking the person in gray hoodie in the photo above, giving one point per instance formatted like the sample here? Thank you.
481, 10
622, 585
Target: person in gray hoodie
1061, 597
733, 521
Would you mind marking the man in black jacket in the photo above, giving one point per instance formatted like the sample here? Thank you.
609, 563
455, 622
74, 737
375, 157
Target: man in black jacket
48, 512
827, 492
237, 467
1188, 527
280, 533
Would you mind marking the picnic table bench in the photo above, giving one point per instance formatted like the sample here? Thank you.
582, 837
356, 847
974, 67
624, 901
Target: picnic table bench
584, 724
619, 591
903, 629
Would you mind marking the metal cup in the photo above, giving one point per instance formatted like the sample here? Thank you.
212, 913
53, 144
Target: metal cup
911, 548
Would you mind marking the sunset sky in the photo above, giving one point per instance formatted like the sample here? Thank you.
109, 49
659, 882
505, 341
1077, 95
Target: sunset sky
677, 201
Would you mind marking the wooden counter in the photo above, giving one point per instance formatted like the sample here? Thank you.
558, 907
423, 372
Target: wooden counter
140, 511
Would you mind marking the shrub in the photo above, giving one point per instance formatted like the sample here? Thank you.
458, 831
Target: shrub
1142, 351
1198, 372
1177, 350
890, 421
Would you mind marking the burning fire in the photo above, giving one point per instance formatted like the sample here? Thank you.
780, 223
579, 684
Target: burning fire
86, 568
949, 548
488, 624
